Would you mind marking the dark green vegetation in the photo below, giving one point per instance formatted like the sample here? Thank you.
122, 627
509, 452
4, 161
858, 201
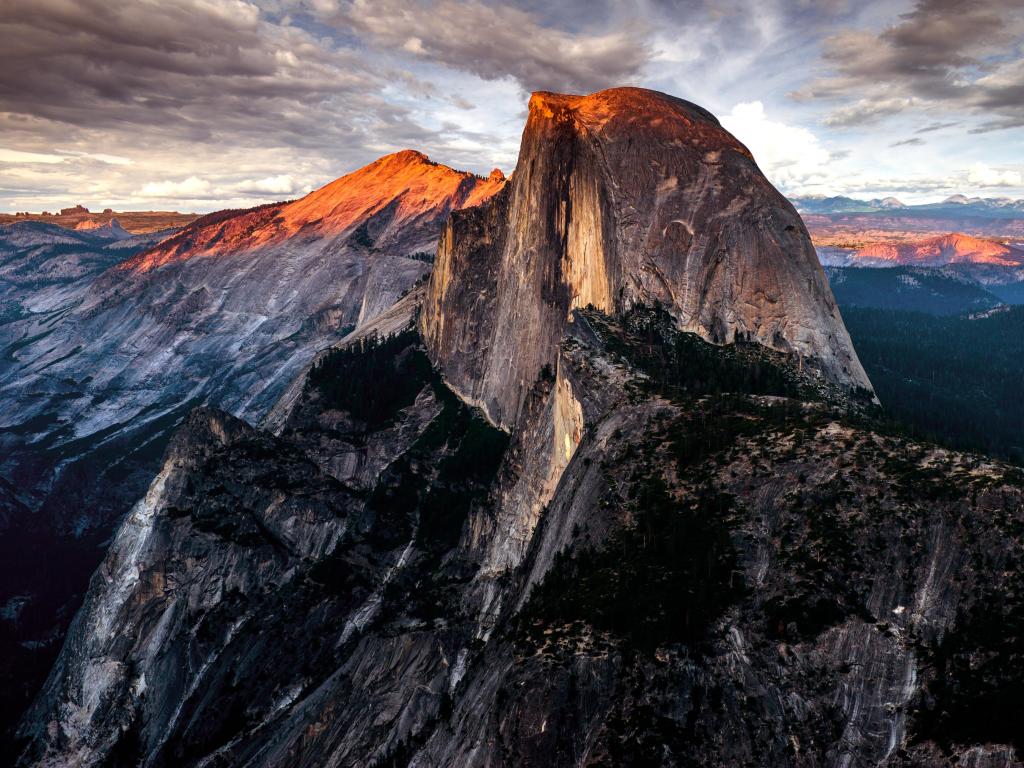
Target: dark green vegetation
913, 289
741, 548
668, 575
1011, 293
664, 580
428, 492
977, 689
839, 508
953, 380
683, 365
372, 379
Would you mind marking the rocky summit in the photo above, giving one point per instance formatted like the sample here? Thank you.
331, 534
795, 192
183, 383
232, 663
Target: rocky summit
610, 489
621, 198
108, 342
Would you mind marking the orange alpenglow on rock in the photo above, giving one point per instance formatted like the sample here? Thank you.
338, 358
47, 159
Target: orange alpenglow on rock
955, 248
624, 197
399, 192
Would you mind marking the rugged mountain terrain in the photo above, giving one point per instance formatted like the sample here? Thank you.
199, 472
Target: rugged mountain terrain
620, 198
646, 549
227, 310
955, 206
955, 249
995, 267
43, 266
937, 291
843, 221
112, 229
731, 567
673, 552
104, 351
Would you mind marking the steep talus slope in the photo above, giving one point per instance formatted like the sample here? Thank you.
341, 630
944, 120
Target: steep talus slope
718, 578
623, 197
102, 354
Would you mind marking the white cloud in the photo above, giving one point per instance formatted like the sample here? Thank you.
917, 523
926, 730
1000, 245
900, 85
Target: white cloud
496, 41
283, 184
790, 156
866, 111
192, 187
983, 175
17, 156
97, 156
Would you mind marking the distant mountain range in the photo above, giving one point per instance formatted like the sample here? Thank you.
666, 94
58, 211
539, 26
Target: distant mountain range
80, 217
952, 274
987, 262
956, 205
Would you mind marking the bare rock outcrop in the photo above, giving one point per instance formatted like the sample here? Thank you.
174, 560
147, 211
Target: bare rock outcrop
624, 197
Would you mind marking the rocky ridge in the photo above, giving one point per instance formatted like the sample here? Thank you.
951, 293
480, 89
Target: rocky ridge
733, 568
954, 248
107, 345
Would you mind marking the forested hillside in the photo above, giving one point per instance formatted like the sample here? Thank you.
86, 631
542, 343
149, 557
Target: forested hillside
956, 380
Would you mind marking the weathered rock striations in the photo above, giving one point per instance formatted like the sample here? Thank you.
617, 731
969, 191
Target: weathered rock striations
105, 345
683, 554
716, 580
620, 198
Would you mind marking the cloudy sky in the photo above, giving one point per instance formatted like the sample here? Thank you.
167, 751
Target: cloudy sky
204, 104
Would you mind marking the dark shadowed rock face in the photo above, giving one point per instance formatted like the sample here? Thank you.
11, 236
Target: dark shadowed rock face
733, 567
626, 196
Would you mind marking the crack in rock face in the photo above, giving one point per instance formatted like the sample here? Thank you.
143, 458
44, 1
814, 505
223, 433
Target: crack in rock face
620, 198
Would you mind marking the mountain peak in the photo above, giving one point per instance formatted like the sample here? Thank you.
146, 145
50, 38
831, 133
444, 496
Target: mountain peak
111, 229
403, 192
629, 111
621, 198
891, 202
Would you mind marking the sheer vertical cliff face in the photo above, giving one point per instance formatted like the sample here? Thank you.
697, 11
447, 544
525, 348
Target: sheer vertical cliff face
620, 198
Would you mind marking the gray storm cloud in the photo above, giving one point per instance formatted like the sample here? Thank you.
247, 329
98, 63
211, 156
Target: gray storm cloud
949, 54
